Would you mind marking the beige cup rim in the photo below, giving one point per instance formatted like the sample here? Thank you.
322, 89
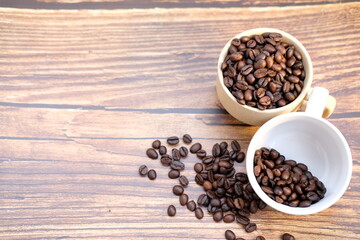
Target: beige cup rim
288, 38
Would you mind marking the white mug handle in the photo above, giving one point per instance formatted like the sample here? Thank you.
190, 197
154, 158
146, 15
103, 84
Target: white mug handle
317, 102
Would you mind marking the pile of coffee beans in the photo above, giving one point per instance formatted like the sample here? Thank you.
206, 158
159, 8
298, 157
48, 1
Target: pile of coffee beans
262, 71
228, 195
286, 181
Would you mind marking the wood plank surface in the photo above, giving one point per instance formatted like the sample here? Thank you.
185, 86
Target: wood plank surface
83, 93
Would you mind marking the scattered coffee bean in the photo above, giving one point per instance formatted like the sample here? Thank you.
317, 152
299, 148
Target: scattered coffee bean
195, 147
250, 227
183, 151
286, 181
235, 146
166, 161
201, 154
260, 238
152, 174
287, 236
229, 218
191, 205
151, 153
262, 64
183, 181
199, 213
187, 138
173, 140
230, 235
156, 144
162, 150
143, 170
173, 174
175, 154
177, 165
178, 190
183, 199
198, 167
171, 211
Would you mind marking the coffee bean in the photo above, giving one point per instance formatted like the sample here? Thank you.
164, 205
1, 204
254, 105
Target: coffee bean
287, 236
178, 190
151, 153
173, 140
201, 154
187, 138
162, 150
260, 73
216, 151
242, 220
218, 216
265, 101
312, 196
240, 238
196, 147
166, 161
229, 218
203, 200
191, 205
171, 211
230, 235
199, 214
152, 174
177, 165
250, 227
240, 157
198, 167
199, 179
156, 144
183, 181
143, 170
183, 151
176, 154
183, 199
235, 146
173, 174
260, 238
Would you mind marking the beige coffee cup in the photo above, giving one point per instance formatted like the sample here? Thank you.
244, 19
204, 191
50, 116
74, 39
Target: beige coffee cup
254, 116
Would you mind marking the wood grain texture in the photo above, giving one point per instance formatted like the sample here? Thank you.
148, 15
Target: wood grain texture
126, 4
84, 93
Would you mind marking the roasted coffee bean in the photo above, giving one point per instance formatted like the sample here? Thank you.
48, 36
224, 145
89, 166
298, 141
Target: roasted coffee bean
183, 199
173, 140
215, 202
199, 179
171, 211
166, 161
191, 205
156, 144
175, 154
183, 181
216, 150
218, 216
195, 147
287, 236
199, 214
198, 167
151, 153
143, 170
250, 227
178, 190
162, 150
230, 235
177, 165
229, 218
260, 73
173, 174
187, 138
260, 238
203, 200
201, 154
235, 146
152, 174
240, 157
183, 151
242, 220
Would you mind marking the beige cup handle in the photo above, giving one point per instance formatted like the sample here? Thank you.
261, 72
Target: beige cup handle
330, 104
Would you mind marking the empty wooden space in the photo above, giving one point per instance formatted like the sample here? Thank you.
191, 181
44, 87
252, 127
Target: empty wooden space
84, 92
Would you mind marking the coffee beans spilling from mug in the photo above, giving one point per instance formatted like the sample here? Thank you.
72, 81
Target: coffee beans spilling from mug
262, 71
286, 181
228, 195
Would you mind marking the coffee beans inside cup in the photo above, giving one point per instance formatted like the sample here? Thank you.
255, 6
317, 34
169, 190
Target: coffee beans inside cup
262, 71
286, 181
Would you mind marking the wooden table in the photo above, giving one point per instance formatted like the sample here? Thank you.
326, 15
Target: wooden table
87, 86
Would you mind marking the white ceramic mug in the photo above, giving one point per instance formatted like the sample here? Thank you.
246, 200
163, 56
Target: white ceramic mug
306, 138
254, 116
